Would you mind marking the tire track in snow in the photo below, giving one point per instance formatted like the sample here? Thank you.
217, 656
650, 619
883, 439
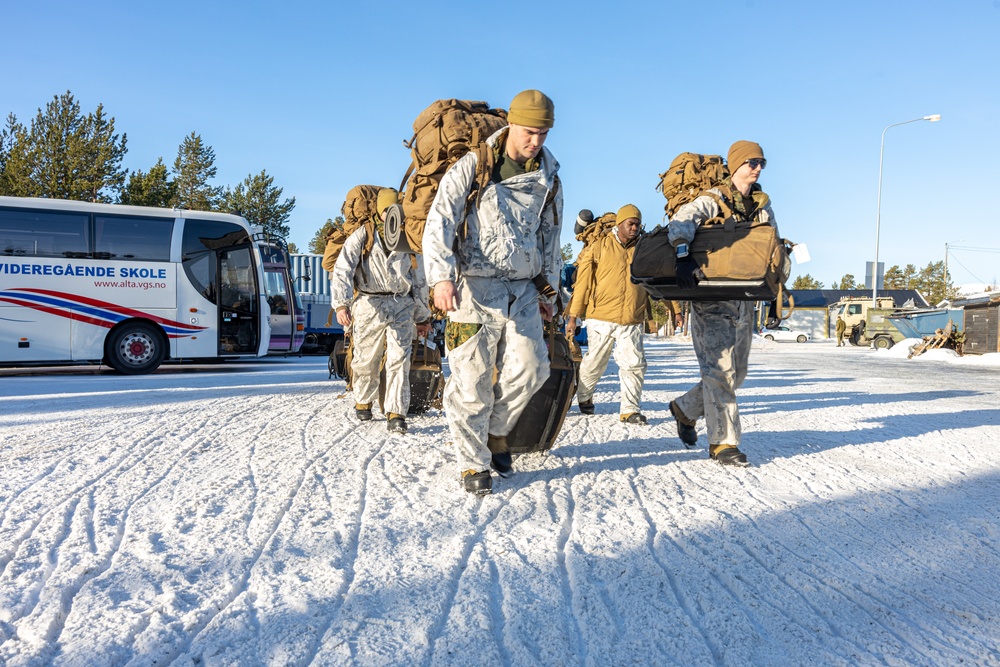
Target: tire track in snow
472, 540
14, 543
214, 609
127, 462
845, 590
915, 558
567, 524
835, 630
54, 613
858, 482
122, 525
498, 618
652, 533
350, 559
790, 618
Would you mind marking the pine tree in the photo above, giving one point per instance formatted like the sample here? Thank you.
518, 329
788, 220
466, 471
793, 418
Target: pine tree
194, 166
930, 283
894, 278
806, 282
149, 189
847, 282
257, 200
100, 168
13, 161
318, 243
56, 150
64, 154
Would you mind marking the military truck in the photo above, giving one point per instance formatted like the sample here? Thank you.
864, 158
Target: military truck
885, 325
854, 311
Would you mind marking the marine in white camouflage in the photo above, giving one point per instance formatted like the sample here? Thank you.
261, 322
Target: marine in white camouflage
481, 262
392, 298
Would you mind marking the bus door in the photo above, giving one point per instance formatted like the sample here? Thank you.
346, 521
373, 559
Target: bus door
240, 317
279, 299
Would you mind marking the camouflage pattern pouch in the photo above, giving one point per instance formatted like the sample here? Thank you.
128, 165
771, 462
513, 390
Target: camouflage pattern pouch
456, 333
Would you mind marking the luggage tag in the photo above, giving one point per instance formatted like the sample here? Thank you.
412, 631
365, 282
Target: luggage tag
800, 253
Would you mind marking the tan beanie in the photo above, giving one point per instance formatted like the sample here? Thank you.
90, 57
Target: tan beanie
531, 108
627, 212
386, 198
740, 152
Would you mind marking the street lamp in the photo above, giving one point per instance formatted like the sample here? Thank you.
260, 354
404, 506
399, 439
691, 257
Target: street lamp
878, 211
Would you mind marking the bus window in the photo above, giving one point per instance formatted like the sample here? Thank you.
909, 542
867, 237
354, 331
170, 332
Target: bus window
120, 237
201, 238
27, 233
277, 295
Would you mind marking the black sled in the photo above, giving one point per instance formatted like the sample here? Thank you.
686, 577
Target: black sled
539, 425
426, 379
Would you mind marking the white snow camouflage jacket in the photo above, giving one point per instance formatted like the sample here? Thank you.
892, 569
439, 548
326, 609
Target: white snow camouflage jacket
509, 236
381, 272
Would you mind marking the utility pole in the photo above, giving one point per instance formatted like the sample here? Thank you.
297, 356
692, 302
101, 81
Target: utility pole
945, 292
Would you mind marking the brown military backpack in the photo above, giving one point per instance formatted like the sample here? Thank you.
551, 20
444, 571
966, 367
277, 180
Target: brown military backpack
359, 207
589, 233
443, 133
688, 175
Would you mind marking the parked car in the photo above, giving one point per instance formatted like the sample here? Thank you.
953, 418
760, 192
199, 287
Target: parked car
782, 332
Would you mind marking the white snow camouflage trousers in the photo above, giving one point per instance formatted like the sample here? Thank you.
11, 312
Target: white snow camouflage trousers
630, 355
721, 332
383, 323
511, 339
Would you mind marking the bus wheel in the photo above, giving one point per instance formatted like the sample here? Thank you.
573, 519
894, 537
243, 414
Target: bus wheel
135, 348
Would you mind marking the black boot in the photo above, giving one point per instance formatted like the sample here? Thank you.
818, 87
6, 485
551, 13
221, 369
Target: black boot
500, 458
586, 408
396, 424
479, 483
503, 463
728, 455
685, 429
633, 418
363, 412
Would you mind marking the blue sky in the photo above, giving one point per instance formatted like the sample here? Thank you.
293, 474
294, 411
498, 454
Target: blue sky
322, 95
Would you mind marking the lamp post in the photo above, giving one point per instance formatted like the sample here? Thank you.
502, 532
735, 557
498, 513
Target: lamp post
878, 211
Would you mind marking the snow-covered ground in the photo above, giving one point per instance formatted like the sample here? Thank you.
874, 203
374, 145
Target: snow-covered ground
239, 515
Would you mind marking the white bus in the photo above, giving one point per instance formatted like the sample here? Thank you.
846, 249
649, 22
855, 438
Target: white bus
128, 286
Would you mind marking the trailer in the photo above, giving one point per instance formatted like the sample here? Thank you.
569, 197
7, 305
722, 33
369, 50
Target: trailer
312, 284
882, 328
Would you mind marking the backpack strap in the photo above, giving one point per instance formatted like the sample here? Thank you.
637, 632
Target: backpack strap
550, 199
725, 209
366, 249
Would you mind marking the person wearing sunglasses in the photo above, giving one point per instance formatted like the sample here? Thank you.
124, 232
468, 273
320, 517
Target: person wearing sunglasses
721, 331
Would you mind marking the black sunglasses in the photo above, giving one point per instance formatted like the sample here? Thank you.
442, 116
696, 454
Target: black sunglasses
756, 162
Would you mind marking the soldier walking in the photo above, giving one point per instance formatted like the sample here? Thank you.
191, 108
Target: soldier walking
390, 307
615, 310
486, 263
720, 330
